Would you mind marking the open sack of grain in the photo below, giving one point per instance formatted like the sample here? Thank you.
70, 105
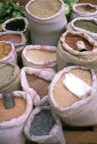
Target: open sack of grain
9, 77
84, 10
76, 48
7, 52
36, 83
38, 56
44, 126
12, 120
73, 95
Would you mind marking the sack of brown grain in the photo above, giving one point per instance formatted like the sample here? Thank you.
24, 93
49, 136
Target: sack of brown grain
73, 95
12, 121
36, 83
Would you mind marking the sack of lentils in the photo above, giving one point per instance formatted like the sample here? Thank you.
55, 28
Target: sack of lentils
12, 120
38, 56
17, 24
17, 38
87, 25
9, 77
7, 52
73, 95
44, 127
36, 83
84, 10
76, 48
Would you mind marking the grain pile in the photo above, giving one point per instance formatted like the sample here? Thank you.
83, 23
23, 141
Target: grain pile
85, 8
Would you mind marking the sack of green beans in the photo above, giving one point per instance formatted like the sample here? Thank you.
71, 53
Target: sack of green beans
9, 77
43, 126
76, 48
36, 83
39, 56
73, 96
12, 120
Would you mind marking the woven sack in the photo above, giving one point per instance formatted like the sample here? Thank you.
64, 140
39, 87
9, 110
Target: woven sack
55, 136
82, 112
14, 82
67, 56
45, 64
46, 74
11, 132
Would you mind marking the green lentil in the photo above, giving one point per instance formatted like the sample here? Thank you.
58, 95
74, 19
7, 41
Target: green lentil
42, 123
87, 25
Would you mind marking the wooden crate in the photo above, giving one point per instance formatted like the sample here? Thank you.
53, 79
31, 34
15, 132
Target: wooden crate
78, 135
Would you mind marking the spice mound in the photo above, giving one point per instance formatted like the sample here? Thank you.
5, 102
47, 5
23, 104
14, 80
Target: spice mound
42, 124
62, 95
14, 38
5, 49
72, 39
40, 55
44, 8
38, 84
87, 25
85, 8
18, 110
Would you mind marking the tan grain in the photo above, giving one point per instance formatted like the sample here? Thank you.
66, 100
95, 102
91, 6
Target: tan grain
62, 95
86, 8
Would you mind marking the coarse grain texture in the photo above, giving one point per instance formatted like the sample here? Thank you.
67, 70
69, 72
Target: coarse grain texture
18, 110
42, 124
88, 1
6, 72
40, 55
87, 25
38, 84
85, 8
5, 49
62, 95
72, 39
15, 38
44, 8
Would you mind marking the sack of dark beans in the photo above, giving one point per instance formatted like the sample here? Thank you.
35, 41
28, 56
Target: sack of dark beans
43, 126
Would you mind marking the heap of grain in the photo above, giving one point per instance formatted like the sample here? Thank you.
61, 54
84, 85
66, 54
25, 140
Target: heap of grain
47, 21
9, 77
76, 48
12, 120
73, 98
84, 10
38, 56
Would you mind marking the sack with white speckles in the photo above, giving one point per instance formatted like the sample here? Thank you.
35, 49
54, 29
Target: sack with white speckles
44, 127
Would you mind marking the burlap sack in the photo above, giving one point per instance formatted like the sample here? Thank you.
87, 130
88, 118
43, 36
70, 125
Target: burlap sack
67, 56
80, 113
46, 74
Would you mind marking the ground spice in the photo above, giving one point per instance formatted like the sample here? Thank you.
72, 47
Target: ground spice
40, 55
62, 95
16, 25
85, 8
42, 124
44, 9
72, 39
87, 25
6, 73
38, 84
5, 49
18, 110
15, 38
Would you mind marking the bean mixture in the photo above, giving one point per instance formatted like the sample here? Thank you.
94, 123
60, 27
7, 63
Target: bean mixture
15, 38
62, 95
18, 110
40, 55
85, 8
72, 39
44, 8
87, 25
5, 49
42, 124
38, 84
